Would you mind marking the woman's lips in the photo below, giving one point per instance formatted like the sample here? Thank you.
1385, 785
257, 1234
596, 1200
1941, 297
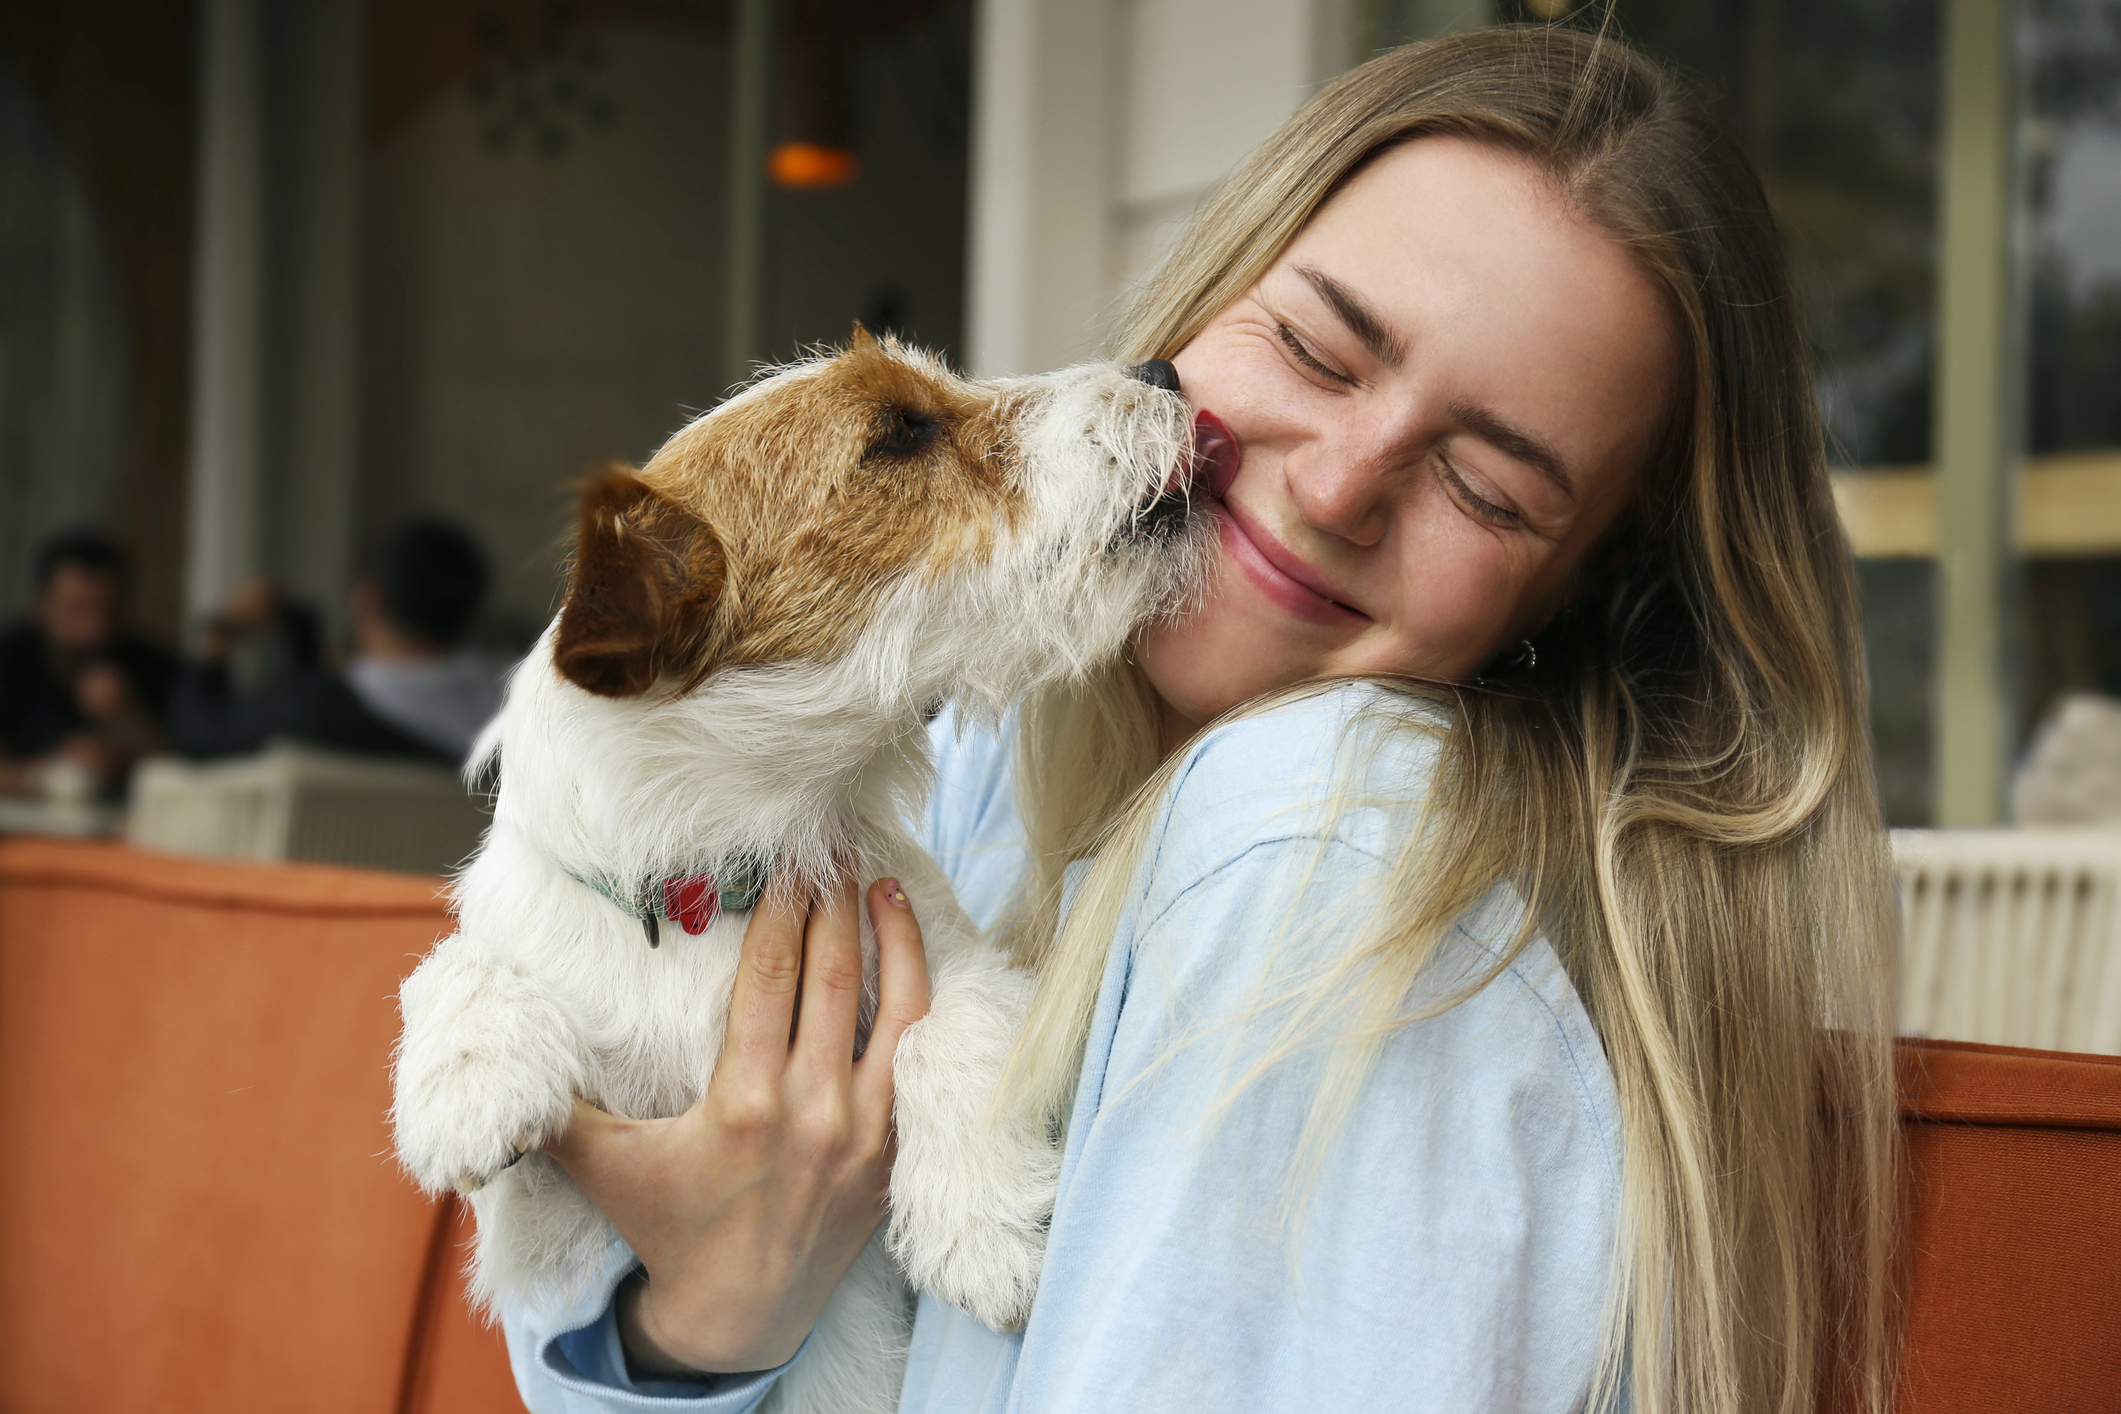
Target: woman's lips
1286, 580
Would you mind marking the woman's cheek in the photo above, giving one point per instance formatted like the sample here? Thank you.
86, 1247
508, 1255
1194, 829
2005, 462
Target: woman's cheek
1237, 372
1457, 609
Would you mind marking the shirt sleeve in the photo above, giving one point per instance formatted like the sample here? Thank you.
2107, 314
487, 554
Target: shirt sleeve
1453, 1252
568, 1360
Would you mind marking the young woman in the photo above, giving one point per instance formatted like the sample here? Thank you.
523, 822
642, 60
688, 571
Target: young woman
1462, 939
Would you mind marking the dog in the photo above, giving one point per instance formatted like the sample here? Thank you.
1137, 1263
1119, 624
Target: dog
757, 628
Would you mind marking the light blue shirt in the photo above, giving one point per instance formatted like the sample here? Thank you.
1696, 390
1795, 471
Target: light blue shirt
1456, 1249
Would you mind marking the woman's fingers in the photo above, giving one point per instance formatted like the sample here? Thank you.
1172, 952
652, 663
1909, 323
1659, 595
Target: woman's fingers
832, 981
762, 1004
902, 991
801, 970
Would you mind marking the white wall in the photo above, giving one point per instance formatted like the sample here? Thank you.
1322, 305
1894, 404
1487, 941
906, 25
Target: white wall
1038, 259
529, 318
1207, 81
1099, 127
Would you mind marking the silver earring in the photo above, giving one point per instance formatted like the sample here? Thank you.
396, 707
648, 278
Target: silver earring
1505, 665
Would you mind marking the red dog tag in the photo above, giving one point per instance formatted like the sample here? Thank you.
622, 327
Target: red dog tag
692, 903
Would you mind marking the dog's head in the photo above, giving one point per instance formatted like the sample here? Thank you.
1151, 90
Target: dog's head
988, 533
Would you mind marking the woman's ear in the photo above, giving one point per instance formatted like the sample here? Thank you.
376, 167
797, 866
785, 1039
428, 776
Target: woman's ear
641, 601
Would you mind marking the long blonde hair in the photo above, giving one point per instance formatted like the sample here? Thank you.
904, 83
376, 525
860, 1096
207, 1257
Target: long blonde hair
1681, 791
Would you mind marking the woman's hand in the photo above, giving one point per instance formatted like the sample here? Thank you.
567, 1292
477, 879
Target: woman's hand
747, 1209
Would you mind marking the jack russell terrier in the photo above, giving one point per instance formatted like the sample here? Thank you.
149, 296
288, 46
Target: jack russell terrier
756, 628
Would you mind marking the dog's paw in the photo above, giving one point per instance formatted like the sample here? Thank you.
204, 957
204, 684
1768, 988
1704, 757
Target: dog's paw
486, 1070
971, 1191
987, 1269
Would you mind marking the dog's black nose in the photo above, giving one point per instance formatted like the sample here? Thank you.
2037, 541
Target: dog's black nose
1157, 373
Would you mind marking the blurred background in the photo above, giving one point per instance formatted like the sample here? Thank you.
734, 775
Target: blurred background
278, 279
312, 311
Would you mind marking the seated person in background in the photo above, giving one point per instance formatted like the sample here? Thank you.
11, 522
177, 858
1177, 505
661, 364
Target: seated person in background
409, 689
80, 698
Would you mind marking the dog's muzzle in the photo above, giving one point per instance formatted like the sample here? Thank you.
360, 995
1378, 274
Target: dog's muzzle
1166, 515
1157, 373
1167, 512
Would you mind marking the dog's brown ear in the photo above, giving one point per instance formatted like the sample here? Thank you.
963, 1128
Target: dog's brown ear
647, 576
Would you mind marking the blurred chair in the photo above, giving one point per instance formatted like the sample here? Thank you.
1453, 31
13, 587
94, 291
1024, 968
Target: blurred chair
199, 1209
299, 802
2011, 937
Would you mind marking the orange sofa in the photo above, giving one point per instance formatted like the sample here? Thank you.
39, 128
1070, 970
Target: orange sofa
2012, 1249
198, 1209
198, 1206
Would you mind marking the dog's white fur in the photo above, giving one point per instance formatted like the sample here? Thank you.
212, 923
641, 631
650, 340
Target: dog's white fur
549, 991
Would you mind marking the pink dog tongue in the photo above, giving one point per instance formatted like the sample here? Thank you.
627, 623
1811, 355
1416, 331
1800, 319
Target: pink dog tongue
1216, 455
691, 903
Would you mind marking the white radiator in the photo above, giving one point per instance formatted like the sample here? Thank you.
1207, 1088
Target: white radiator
2011, 937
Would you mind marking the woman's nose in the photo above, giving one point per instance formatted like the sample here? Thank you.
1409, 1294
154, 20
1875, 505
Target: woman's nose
1342, 495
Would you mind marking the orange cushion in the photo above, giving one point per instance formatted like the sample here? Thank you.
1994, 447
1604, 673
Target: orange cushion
2013, 1240
199, 1210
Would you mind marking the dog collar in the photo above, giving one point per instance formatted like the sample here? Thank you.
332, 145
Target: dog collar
692, 901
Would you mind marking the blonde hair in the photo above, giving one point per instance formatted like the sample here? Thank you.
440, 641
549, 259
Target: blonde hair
1681, 791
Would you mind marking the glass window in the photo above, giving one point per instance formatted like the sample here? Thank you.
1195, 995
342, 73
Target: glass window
2071, 230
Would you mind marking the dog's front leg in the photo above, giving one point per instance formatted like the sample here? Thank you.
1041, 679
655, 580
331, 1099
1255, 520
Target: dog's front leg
487, 1068
971, 1191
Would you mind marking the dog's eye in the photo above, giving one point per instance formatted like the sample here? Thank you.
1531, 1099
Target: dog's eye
902, 432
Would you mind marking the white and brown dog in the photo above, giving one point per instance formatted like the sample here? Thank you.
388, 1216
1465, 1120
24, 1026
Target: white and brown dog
757, 626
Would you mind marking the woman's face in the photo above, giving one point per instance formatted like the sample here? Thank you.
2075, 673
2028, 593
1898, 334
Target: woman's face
1439, 397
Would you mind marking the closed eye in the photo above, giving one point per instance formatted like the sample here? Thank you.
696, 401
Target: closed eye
1304, 356
1474, 503
901, 433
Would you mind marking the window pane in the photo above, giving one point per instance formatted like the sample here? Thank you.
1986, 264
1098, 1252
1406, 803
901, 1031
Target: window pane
2071, 188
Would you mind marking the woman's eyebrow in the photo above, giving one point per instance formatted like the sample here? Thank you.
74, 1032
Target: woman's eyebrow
1482, 422
1361, 320
1515, 442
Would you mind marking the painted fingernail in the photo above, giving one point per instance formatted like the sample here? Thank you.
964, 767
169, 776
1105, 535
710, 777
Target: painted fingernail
895, 894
